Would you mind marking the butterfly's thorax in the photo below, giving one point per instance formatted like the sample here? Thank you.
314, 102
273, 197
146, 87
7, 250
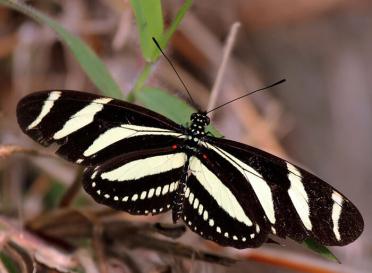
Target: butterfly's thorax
196, 130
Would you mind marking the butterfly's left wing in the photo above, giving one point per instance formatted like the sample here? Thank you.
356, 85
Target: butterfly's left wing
280, 197
128, 151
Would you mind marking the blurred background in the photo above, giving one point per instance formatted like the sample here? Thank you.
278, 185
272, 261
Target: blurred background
320, 118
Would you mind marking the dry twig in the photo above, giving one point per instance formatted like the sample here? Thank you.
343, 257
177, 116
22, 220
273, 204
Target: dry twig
9, 150
226, 54
73, 190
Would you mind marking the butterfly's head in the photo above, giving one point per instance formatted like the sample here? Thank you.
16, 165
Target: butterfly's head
200, 119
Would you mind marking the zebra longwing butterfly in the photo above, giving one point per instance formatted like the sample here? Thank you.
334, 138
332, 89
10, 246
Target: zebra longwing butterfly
141, 162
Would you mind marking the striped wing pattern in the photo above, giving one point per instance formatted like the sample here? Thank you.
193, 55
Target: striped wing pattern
89, 128
103, 133
139, 183
233, 194
292, 202
215, 206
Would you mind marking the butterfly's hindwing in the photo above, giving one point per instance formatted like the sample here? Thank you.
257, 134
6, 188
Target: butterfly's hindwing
140, 182
213, 209
91, 129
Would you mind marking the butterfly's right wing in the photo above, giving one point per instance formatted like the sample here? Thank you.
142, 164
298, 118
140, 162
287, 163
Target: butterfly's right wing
91, 129
290, 201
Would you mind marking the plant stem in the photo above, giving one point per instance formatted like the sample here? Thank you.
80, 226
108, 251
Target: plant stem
140, 82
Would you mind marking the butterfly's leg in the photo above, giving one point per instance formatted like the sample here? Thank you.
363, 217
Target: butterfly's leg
179, 197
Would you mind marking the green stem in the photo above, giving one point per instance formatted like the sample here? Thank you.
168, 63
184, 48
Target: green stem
140, 82
177, 20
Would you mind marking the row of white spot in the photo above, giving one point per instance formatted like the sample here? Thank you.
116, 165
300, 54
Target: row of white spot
168, 188
195, 203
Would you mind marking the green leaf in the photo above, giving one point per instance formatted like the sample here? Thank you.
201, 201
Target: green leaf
9, 264
321, 250
170, 106
177, 20
91, 64
165, 104
149, 19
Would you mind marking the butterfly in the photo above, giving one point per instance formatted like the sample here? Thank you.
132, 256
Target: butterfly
141, 162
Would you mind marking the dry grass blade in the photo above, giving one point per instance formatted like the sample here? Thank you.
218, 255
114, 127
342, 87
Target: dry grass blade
77, 224
29, 252
16, 257
124, 256
69, 223
21, 255
97, 233
174, 248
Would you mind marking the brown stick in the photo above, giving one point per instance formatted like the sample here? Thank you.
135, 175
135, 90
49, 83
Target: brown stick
9, 150
73, 190
221, 70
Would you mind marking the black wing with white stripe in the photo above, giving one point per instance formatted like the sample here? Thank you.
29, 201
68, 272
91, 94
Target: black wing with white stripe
219, 206
138, 182
293, 202
91, 129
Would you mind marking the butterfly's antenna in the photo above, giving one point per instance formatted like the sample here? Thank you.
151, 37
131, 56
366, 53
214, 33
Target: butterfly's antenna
250, 93
174, 69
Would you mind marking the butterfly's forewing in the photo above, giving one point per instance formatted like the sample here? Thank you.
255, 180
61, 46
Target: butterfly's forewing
294, 203
91, 129
140, 182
